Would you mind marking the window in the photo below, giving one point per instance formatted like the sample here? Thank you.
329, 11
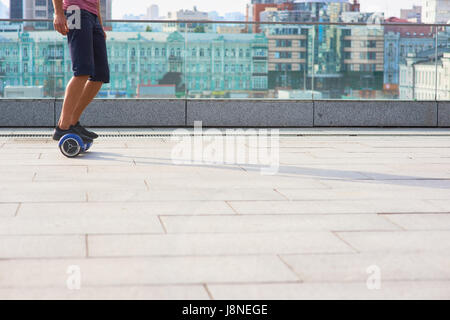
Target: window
41, 14
283, 55
284, 43
260, 53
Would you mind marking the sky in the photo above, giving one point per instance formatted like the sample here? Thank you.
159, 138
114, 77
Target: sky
137, 7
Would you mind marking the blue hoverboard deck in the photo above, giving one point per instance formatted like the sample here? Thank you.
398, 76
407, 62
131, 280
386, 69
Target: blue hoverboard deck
71, 145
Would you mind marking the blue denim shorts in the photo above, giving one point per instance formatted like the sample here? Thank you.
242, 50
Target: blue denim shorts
87, 47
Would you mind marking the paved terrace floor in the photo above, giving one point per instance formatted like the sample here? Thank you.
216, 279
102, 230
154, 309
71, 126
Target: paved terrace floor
136, 225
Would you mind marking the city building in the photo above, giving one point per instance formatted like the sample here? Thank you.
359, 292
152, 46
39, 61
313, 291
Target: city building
187, 15
436, 11
43, 10
153, 12
412, 15
399, 41
259, 6
424, 79
215, 16
106, 9
275, 15
203, 64
234, 16
229, 29
287, 56
10, 27
308, 57
363, 55
16, 9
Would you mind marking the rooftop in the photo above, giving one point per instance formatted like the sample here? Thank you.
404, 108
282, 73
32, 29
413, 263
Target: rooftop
138, 225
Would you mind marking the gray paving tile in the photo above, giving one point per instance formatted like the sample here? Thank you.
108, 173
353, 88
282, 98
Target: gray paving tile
215, 244
144, 271
332, 207
34, 194
443, 205
8, 209
81, 223
421, 221
421, 290
360, 193
105, 209
188, 292
184, 194
42, 246
399, 241
353, 267
274, 223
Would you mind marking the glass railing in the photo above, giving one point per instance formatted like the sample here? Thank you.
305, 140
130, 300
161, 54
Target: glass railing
221, 60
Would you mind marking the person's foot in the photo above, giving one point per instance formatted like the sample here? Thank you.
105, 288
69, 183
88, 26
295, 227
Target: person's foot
59, 133
86, 132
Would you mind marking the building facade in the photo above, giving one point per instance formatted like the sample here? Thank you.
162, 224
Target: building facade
203, 65
424, 79
15, 9
153, 12
287, 56
187, 15
412, 15
399, 41
436, 11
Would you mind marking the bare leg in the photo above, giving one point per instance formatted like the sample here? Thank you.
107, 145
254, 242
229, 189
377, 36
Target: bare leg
71, 99
90, 90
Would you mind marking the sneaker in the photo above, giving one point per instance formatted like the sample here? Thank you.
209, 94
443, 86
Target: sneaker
86, 132
59, 133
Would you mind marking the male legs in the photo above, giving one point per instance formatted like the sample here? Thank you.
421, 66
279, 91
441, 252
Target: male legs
71, 100
74, 103
90, 65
